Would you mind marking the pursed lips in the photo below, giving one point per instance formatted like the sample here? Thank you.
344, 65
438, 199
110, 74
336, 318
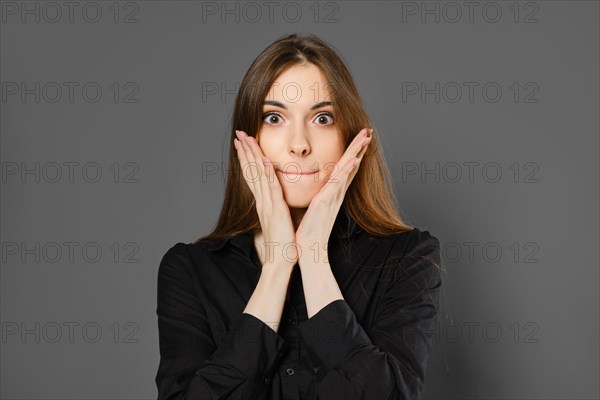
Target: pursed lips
296, 172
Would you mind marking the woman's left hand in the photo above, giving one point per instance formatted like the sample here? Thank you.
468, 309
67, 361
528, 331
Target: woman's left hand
321, 214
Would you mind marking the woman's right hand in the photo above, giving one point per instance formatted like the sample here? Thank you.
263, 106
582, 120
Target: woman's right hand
273, 212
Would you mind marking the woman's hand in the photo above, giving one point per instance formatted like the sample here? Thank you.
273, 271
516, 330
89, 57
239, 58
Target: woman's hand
320, 216
273, 211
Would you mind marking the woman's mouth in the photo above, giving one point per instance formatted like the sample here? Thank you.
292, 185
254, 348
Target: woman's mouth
296, 172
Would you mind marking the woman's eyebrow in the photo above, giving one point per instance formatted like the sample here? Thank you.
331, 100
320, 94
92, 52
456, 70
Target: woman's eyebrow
314, 107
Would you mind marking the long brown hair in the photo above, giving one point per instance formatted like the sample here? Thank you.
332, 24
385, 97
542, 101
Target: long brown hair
369, 200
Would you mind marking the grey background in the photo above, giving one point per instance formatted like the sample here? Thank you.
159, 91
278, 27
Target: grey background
534, 324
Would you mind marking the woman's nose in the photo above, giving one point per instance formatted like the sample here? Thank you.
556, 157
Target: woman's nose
299, 141
300, 149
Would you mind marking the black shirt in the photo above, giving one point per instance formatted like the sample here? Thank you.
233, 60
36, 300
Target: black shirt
373, 344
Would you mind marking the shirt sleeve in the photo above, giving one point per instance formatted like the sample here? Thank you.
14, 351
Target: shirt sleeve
191, 365
391, 361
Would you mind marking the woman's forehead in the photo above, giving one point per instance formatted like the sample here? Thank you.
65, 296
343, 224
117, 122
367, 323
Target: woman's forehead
300, 82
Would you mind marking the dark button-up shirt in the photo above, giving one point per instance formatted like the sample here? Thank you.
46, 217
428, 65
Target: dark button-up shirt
373, 344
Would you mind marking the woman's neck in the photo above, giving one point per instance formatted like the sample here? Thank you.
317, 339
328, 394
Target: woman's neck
297, 214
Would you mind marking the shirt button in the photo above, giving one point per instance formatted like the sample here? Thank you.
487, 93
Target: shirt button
290, 371
267, 380
292, 321
316, 369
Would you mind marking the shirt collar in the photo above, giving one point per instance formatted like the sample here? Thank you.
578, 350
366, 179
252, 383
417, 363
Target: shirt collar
343, 227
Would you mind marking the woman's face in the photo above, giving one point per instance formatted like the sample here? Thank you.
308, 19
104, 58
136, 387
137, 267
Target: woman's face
299, 133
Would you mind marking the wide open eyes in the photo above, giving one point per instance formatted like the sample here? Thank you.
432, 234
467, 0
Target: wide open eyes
273, 118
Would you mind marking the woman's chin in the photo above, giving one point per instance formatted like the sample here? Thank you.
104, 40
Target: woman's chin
298, 198
296, 202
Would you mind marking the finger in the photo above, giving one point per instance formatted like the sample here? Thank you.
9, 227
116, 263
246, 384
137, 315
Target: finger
260, 182
364, 146
350, 154
270, 185
337, 187
241, 154
250, 168
347, 173
274, 183
350, 166
360, 141
358, 160
349, 170
352, 149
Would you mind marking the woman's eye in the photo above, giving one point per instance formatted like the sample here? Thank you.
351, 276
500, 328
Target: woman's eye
271, 118
323, 118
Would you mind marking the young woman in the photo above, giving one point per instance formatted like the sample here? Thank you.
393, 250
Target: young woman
310, 286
